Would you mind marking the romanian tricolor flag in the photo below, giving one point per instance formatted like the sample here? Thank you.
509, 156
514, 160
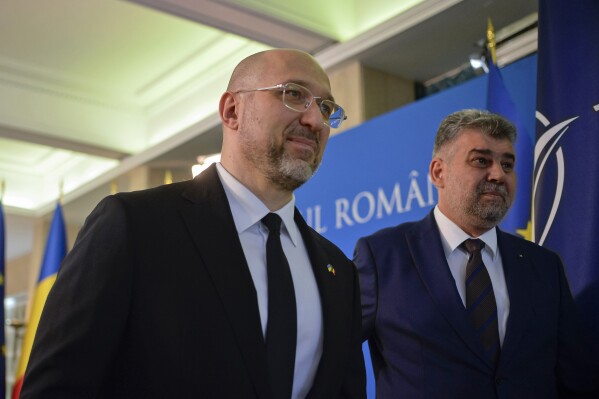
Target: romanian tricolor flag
56, 249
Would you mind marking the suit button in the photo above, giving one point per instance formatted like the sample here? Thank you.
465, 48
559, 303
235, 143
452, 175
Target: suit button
500, 381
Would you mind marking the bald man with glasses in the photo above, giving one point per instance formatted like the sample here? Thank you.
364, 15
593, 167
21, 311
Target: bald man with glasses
214, 287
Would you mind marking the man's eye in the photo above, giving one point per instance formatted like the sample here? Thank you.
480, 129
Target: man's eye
507, 166
326, 109
295, 95
481, 162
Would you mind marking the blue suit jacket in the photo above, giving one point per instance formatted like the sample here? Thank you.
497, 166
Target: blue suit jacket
421, 343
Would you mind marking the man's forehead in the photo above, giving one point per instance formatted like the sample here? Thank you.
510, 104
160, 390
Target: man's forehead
476, 138
296, 67
472, 141
509, 153
318, 87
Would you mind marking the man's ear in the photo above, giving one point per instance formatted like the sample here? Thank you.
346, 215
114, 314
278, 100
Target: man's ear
437, 172
227, 109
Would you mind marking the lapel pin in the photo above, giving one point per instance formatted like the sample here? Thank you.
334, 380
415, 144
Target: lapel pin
331, 269
520, 256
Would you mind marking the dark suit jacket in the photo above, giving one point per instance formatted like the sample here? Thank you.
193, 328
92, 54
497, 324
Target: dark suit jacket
156, 301
421, 343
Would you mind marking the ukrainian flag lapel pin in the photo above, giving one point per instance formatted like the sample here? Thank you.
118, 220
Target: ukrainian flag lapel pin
331, 269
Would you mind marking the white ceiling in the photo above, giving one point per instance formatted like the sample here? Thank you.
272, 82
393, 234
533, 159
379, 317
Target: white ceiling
90, 89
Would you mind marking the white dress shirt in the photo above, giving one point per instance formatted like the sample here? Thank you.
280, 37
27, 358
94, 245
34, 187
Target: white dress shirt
248, 211
457, 258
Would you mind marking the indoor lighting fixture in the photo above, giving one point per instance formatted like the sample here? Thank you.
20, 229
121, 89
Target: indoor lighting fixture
478, 61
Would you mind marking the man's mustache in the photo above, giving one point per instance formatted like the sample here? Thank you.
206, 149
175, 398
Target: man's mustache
304, 133
492, 188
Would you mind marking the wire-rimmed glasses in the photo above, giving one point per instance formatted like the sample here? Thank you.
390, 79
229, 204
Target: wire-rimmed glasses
298, 98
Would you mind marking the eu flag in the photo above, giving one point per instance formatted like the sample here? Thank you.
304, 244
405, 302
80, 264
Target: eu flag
566, 174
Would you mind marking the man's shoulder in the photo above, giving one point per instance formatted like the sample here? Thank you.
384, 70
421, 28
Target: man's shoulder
201, 187
326, 244
393, 232
161, 191
524, 245
154, 201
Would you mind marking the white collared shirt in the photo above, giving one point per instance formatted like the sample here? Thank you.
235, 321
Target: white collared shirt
248, 211
457, 258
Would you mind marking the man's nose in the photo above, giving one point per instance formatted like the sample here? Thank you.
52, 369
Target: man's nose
496, 172
313, 118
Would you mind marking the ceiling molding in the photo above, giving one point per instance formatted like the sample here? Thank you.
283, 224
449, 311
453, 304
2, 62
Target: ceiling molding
71, 118
126, 165
518, 47
243, 22
336, 54
56, 142
35, 79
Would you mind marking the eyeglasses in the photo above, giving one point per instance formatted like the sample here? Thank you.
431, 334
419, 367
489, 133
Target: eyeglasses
298, 98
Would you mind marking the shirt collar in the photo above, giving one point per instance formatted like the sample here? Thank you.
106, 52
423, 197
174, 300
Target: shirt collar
453, 236
248, 210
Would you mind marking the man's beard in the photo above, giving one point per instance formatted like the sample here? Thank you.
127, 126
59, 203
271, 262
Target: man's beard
482, 213
279, 165
489, 213
288, 172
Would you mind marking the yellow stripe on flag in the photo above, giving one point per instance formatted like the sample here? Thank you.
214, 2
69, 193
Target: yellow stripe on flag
39, 299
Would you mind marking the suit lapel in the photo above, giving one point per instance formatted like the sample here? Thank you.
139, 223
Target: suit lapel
206, 213
516, 266
429, 258
332, 318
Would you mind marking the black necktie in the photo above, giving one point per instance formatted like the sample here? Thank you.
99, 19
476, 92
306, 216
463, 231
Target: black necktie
281, 328
480, 299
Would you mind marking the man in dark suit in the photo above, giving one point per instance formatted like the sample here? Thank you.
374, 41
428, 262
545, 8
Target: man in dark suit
168, 292
455, 308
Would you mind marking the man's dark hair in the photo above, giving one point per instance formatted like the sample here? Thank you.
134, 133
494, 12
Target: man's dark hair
486, 122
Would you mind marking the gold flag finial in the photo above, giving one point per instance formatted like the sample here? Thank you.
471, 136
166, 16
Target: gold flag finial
2, 188
114, 188
491, 44
168, 176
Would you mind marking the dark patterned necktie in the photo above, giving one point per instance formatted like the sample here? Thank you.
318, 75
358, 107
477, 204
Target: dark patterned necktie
480, 299
281, 328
